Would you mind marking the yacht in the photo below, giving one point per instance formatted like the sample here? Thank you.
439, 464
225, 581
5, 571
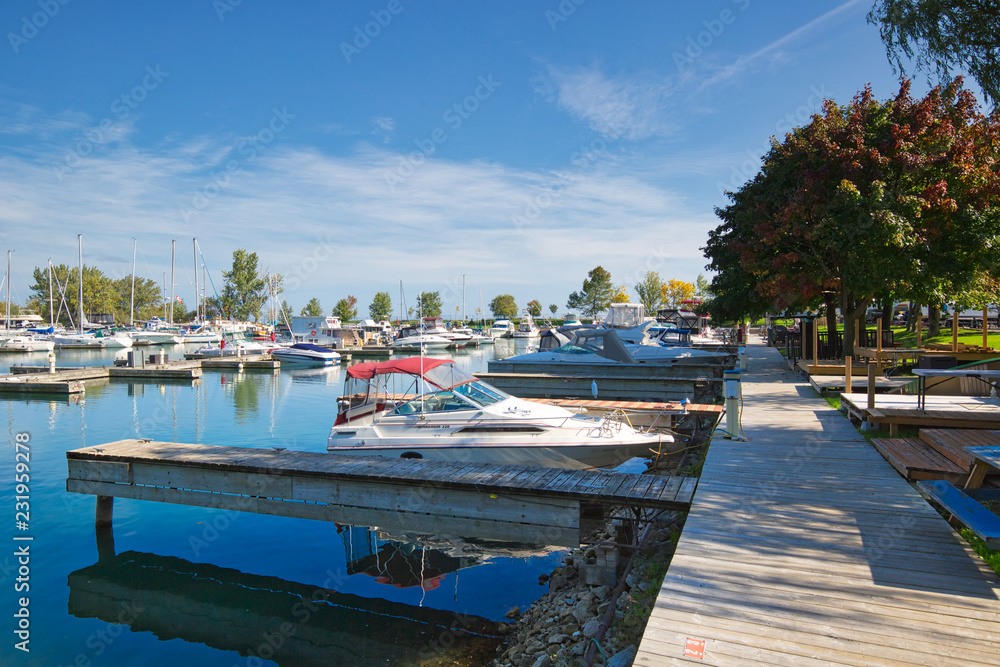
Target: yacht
305, 354
527, 328
435, 327
27, 344
502, 329
425, 408
604, 346
417, 337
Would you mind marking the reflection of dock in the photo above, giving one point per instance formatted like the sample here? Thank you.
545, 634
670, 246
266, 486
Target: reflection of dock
232, 611
500, 502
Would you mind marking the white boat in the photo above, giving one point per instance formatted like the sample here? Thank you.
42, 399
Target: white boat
115, 339
305, 354
417, 337
234, 348
502, 329
423, 408
527, 328
27, 344
83, 341
603, 346
434, 326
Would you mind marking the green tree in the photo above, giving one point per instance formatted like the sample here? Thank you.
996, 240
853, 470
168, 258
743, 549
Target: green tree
649, 290
553, 308
100, 293
870, 200
346, 309
943, 36
381, 306
429, 303
312, 309
702, 287
285, 313
503, 306
244, 291
534, 307
595, 297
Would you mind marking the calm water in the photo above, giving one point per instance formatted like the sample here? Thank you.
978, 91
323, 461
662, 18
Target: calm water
191, 586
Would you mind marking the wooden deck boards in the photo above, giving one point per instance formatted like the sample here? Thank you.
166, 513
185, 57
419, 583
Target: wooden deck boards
591, 486
804, 547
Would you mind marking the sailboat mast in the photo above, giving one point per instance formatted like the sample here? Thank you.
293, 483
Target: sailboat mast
131, 300
463, 298
52, 321
173, 251
197, 306
79, 245
7, 308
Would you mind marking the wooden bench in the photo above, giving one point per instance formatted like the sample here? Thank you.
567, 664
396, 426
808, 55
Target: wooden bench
964, 509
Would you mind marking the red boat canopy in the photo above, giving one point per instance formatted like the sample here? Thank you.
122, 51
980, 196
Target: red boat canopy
445, 378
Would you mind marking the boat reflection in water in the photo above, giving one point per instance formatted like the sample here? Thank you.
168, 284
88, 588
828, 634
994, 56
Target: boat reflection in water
406, 561
270, 618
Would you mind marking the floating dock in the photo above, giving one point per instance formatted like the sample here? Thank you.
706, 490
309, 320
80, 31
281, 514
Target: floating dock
500, 502
804, 547
38, 379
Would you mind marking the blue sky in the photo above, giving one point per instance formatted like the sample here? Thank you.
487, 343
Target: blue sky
354, 145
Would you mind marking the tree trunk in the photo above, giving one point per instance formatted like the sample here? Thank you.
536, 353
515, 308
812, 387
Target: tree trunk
886, 313
831, 323
854, 313
934, 323
912, 313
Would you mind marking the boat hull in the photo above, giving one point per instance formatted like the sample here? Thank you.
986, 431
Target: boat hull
578, 456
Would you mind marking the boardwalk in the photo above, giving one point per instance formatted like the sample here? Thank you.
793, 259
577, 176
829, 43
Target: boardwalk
804, 547
508, 502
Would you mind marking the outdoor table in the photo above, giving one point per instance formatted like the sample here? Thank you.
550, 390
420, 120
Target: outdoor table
987, 376
986, 458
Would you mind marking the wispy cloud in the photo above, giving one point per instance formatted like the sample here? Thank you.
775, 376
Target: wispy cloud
616, 107
383, 128
451, 218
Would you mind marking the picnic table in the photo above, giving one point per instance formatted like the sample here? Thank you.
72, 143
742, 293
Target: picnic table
989, 377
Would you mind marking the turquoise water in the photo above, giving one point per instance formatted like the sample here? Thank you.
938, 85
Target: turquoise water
190, 586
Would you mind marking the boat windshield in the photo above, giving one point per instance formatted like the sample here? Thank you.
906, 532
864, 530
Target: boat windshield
440, 401
569, 348
480, 393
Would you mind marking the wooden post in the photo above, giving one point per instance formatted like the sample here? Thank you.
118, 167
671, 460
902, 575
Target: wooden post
847, 375
954, 330
986, 314
816, 342
105, 509
872, 372
920, 323
878, 346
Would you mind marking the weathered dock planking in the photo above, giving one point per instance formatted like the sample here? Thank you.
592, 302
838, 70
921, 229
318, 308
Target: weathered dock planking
804, 547
508, 502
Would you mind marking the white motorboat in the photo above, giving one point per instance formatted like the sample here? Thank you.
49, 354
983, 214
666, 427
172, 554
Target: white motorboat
434, 326
27, 344
527, 328
417, 337
115, 339
81, 341
305, 354
603, 346
502, 329
234, 348
200, 335
424, 408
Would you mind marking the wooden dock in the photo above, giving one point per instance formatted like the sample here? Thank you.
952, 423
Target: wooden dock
503, 502
804, 547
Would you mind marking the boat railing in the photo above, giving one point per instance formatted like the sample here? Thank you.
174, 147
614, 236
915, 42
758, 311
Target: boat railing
613, 422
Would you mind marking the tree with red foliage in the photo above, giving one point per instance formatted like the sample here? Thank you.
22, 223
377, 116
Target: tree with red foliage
869, 200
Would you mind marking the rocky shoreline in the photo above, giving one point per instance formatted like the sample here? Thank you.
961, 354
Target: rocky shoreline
558, 629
